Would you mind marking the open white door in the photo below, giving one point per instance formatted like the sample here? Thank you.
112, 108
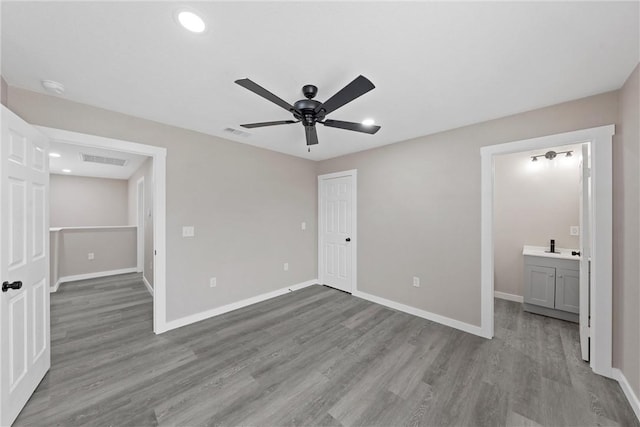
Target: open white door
25, 353
585, 252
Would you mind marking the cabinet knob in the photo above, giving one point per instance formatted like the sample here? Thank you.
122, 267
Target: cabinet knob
560, 276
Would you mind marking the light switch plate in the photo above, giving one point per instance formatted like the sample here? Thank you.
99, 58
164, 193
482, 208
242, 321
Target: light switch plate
303, 226
188, 231
574, 230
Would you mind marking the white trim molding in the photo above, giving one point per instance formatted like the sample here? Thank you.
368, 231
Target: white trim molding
353, 173
633, 399
203, 315
140, 224
600, 140
148, 285
159, 182
443, 320
95, 275
508, 297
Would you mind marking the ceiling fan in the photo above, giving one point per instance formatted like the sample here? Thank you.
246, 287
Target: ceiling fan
309, 111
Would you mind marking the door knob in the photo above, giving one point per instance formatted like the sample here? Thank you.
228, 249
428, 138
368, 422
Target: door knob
348, 239
15, 285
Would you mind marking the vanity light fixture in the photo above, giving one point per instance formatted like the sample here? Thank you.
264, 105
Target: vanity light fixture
52, 154
550, 155
66, 170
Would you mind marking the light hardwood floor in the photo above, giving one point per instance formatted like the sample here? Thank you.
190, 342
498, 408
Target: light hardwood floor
316, 356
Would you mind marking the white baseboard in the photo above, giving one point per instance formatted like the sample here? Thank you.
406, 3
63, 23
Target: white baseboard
628, 391
187, 320
91, 276
447, 321
508, 297
148, 285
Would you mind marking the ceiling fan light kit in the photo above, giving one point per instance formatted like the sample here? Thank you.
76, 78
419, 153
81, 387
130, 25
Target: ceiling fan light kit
308, 111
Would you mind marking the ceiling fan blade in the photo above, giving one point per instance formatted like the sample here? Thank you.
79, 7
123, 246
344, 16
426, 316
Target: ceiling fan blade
259, 90
358, 127
311, 134
259, 125
358, 87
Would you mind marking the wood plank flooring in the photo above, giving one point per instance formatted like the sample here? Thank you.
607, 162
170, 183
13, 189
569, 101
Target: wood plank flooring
314, 357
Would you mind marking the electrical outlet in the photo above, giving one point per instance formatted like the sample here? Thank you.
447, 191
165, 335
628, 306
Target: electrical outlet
213, 282
416, 282
286, 266
574, 230
91, 255
188, 231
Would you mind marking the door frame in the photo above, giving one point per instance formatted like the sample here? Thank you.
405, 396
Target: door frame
353, 173
140, 223
600, 139
159, 167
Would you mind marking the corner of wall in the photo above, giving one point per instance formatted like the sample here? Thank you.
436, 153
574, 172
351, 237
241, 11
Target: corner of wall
4, 92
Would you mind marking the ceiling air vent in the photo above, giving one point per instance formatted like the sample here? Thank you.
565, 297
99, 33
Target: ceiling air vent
237, 132
104, 160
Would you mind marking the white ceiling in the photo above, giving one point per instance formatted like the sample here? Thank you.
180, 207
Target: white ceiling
436, 65
71, 159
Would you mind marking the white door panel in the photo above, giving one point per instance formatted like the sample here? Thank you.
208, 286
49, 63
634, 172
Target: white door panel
336, 232
24, 238
585, 253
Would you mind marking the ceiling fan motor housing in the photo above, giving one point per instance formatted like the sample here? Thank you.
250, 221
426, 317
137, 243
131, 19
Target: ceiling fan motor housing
305, 110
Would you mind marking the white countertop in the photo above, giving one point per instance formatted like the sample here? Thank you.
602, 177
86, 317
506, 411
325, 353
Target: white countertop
95, 227
564, 253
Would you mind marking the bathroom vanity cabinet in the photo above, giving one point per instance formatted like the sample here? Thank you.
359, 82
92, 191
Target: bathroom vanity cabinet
552, 283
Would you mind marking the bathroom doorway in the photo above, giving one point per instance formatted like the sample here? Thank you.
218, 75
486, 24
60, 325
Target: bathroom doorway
540, 216
599, 294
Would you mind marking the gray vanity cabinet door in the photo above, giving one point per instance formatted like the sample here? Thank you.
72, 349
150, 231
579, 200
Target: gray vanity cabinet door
568, 290
540, 285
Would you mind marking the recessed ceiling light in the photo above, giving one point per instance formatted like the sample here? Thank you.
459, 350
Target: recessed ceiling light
54, 154
368, 122
66, 170
191, 21
53, 87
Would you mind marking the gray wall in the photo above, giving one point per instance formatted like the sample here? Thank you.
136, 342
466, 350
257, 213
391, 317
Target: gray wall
77, 201
626, 234
533, 202
144, 171
113, 249
419, 206
246, 204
